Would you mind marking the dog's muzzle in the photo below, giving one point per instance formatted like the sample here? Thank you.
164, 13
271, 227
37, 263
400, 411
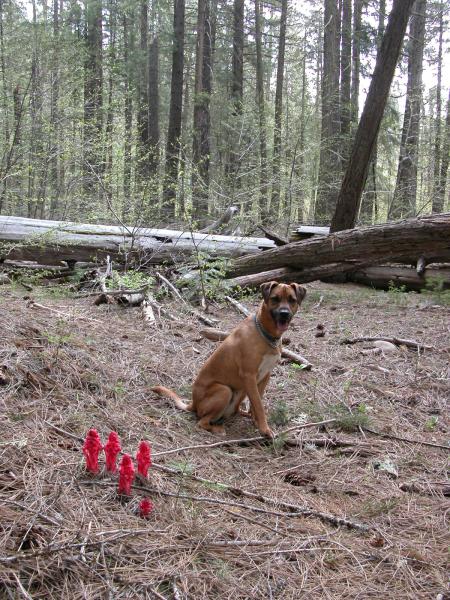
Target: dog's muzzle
282, 316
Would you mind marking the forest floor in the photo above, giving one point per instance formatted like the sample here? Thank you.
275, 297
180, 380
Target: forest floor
64, 534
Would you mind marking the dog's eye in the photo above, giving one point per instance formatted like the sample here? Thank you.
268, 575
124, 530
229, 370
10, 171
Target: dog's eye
276, 298
291, 300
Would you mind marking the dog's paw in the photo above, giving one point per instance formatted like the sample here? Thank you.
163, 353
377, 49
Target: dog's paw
267, 432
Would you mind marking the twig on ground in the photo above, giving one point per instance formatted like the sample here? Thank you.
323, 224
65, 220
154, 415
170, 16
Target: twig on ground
33, 304
243, 441
204, 319
408, 440
243, 310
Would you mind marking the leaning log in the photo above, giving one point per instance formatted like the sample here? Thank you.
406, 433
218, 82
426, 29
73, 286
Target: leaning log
351, 249
49, 242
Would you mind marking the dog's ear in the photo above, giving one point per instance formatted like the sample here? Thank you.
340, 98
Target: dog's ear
300, 292
266, 288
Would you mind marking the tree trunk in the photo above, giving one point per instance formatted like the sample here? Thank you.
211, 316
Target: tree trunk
428, 236
263, 172
202, 94
175, 113
153, 95
54, 117
142, 94
356, 60
440, 197
51, 241
438, 135
329, 169
346, 72
404, 201
93, 86
355, 177
277, 174
128, 118
385, 277
237, 91
369, 201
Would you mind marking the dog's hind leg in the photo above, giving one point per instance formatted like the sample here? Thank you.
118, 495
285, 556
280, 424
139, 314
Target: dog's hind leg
213, 407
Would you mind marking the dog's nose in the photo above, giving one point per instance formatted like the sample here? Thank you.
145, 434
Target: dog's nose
284, 314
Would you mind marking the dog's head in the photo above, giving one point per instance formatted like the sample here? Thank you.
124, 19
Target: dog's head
282, 301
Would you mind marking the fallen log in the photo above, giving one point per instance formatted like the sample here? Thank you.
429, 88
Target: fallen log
384, 277
49, 242
353, 248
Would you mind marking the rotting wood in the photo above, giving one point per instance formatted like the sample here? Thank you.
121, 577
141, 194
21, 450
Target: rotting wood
216, 335
49, 242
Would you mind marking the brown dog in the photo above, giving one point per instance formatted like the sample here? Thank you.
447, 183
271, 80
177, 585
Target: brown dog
242, 364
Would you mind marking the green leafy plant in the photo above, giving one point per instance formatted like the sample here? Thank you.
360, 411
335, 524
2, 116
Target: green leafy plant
131, 280
398, 293
431, 423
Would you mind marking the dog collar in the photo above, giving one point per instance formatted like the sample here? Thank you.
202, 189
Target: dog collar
270, 339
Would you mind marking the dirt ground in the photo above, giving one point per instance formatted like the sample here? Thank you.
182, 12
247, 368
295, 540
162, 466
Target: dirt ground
249, 520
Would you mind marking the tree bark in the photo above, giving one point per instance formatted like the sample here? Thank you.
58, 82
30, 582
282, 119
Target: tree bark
175, 113
355, 176
438, 134
384, 277
428, 235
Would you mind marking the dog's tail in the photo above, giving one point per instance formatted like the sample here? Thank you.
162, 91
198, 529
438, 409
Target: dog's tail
166, 393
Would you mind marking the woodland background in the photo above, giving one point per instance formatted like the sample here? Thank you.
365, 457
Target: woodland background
149, 111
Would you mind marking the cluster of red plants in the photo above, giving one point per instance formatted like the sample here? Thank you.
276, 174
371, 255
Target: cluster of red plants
91, 450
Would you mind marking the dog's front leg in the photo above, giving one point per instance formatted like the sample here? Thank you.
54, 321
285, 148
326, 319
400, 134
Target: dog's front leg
257, 408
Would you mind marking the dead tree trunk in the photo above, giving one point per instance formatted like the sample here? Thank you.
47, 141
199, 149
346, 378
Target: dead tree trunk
348, 250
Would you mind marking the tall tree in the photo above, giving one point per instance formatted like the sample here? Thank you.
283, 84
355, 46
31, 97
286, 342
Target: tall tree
346, 72
93, 101
276, 160
237, 93
404, 200
349, 198
369, 201
263, 172
329, 169
128, 114
142, 93
175, 113
153, 94
202, 95
438, 201
437, 184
